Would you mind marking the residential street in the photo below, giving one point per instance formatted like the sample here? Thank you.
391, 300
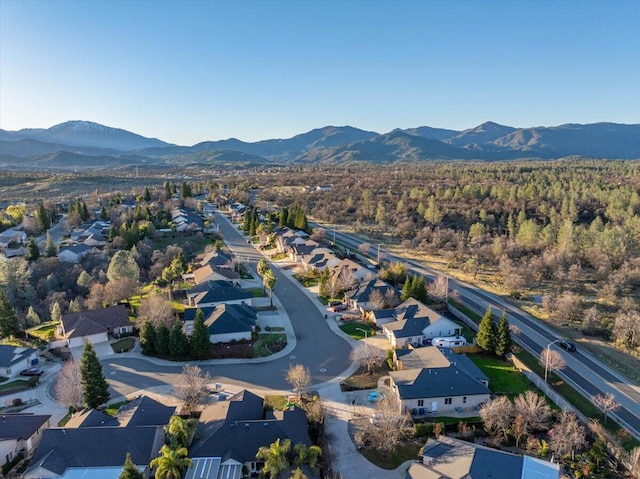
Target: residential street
316, 346
583, 371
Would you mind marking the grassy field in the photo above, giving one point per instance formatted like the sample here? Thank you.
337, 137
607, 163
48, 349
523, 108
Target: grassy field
18, 385
504, 378
257, 292
354, 328
43, 331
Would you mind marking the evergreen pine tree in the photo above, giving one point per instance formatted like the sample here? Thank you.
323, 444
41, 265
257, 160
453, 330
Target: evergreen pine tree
51, 249
43, 217
503, 336
33, 319
33, 252
282, 221
130, 471
406, 290
9, 325
148, 338
200, 340
84, 212
147, 195
178, 342
95, 389
56, 312
419, 289
103, 213
486, 337
162, 339
324, 279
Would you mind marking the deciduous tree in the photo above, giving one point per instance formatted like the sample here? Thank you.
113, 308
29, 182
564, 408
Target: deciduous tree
534, 410
568, 436
387, 429
497, 416
606, 403
299, 377
367, 356
69, 390
156, 309
192, 388
551, 360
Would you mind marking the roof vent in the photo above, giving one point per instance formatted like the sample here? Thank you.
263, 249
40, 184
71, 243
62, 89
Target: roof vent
266, 424
246, 424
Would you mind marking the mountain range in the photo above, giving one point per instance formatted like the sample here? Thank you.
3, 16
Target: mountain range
83, 144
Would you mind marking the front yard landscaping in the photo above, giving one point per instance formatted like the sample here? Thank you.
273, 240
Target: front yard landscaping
44, 331
354, 329
123, 345
268, 344
362, 379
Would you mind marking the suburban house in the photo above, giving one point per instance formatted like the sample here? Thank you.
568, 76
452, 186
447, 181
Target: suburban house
432, 381
142, 411
285, 237
319, 259
96, 325
218, 292
232, 431
416, 324
348, 269
367, 296
225, 322
210, 272
14, 359
13, 237
446, 457
94, 452
298, 249
95, 234
20, 433
216, 258
74, 253
186, 219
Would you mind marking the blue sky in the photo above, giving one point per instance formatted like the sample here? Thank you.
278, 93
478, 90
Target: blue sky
192, 71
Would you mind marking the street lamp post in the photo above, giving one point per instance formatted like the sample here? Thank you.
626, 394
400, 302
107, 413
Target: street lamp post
379, 244
366, 335
546, 360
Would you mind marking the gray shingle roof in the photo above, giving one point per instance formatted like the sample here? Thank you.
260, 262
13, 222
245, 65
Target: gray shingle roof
20, 426
90, 447
231, 318
145, 411
91, 418
222, 292
436, 382
10, 355
362, 292
86, 323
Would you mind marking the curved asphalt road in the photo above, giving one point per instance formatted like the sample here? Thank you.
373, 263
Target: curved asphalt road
583, 371
321, 350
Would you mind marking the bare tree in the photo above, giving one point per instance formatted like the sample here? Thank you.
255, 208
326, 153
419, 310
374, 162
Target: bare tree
387, 428
333, 288
519, 429
627, 329
123, 288
568, 307
156, 309
280, 244
192, 388
391, 298
534, 410
367, 356
376, 300
299, 377
347, 279
568, 435
438, 288
364, 248
606, 403
319, 234
497, 416
551, 361
69, 386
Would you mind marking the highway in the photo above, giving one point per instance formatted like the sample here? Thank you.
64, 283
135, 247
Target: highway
583, 371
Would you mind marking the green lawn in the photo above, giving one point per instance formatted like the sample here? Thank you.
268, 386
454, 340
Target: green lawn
265, 344
353, 329
18, 385
112, 409
399, 455
44, 330
257, 292
275, 402
124, 345
504, 378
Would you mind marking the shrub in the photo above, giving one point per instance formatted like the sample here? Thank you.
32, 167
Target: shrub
423, 429
16, 401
